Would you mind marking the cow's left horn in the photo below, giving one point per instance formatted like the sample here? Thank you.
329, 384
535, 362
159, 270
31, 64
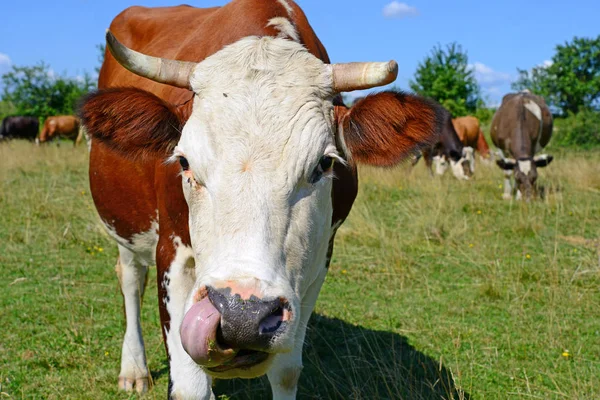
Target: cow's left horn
162, 70
356, 76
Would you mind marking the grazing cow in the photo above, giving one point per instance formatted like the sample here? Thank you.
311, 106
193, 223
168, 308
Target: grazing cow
19, 128
448, 150
67, 126
470, 134
522, 127
230, 163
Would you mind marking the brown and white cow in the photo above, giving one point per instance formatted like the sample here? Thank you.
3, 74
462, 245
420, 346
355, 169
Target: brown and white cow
230, 163
521, 128
470, 134
448, 151
67, 126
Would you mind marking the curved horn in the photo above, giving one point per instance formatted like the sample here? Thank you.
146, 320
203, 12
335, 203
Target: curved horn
162, 70
355, 76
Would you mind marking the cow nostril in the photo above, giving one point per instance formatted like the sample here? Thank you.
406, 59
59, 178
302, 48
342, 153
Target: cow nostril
271, 323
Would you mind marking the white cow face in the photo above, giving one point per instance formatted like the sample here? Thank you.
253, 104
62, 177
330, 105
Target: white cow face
525, 173
464, 168
257, 157
440, 164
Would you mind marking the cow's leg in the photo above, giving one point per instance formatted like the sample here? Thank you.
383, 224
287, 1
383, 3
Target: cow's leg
428, 157
507, 185
176, 277
132, 277
79, 137
286, 368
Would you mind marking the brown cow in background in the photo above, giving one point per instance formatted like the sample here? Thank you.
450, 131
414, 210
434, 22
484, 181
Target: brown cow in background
522, 127
470, 134
67, 126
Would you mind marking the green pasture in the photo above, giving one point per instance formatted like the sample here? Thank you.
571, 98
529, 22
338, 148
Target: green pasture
438, 289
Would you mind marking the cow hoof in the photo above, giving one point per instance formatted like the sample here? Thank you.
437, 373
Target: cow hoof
506, 196
127, 384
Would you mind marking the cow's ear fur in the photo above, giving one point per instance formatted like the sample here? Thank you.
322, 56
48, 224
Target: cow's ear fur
542, 160
506, 164
382, 129
131, 121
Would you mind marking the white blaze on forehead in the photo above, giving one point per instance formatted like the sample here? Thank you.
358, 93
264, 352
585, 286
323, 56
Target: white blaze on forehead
287, 7
525, 166
285, 27
261, 102
534, 109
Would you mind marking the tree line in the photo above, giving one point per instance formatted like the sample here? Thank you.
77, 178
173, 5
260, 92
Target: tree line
570, 83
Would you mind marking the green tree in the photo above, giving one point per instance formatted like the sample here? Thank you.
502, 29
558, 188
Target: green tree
446, 77
6, 109
35, 91
572, 81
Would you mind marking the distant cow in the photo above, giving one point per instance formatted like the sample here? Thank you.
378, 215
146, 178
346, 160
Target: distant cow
470, 134
67, 126
522, 127
19, 128
449, 150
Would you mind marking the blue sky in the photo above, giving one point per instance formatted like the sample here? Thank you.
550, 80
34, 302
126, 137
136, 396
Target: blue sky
499, 36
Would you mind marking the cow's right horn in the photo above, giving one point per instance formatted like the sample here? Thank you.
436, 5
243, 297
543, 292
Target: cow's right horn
363, 75
162, 70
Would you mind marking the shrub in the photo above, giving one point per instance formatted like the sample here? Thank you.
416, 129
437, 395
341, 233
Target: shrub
578, 130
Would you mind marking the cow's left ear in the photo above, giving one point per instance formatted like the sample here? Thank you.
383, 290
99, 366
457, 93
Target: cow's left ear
382, 129
542, 160
506, 163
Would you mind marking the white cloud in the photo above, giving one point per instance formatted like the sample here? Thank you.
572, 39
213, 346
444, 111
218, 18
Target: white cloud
5, 60
5, 63
486, 76
396, 9
546, 63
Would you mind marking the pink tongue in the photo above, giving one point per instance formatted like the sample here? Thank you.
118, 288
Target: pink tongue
199, 335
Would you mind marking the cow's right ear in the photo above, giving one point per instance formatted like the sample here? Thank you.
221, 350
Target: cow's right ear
542, 160
382, 129
131, 121
506, 163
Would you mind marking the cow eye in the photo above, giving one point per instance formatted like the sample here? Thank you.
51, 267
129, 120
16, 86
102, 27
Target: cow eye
185, 165
325, 165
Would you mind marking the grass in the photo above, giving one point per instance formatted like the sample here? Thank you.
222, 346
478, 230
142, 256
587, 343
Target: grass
438, 289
